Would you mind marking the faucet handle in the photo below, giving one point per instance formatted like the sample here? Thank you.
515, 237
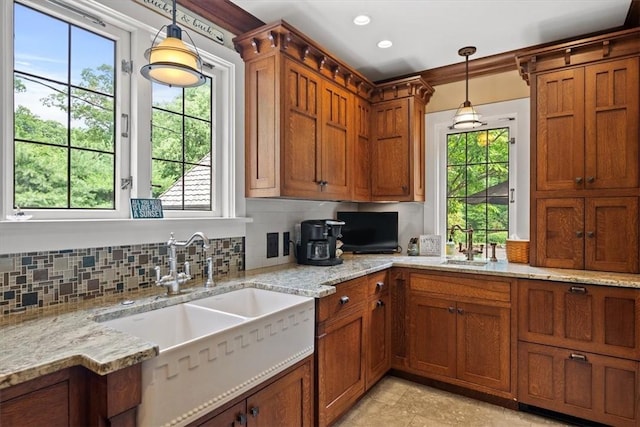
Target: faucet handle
158, 275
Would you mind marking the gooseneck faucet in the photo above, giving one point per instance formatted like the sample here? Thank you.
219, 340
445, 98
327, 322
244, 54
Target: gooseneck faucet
173, 280
469, 251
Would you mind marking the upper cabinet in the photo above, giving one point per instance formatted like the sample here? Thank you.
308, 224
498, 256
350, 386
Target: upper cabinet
314, 127
585, 152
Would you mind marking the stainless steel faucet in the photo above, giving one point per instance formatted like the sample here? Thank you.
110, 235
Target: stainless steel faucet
173, 280
469, 251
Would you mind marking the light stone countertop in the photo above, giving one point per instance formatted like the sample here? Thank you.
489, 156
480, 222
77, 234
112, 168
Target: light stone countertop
54, 341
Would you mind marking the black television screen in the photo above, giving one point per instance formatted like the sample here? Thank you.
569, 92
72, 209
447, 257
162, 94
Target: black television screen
369, 232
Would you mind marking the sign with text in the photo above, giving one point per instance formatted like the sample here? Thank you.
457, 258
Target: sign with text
185, 18
146, 208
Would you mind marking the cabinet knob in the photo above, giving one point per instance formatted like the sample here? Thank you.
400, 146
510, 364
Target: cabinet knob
379, 285
241, 419
379, 303
578, 290
591, 179
578, 180
344, 300
579, 234
452, 310
460, 311
254, 411
579, 357
591, 234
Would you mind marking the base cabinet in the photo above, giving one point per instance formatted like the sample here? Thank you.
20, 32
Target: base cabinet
461, 331
379, 311
284, 401
595, 387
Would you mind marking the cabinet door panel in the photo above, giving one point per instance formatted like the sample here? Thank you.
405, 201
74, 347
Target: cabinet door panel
379, 342
560, 233
432, 340
301, 142
362, 150
484, 345
591, 386
390, 169
612, 234
341, 366
47, 406
261, 156
611, 113
286, 402
236, 416
336, 141
560, 130
590, 318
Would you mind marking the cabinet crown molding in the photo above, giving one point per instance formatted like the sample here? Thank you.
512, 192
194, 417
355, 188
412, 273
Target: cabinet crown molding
577, 52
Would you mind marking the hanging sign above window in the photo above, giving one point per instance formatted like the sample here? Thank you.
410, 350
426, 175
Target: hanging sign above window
185, 18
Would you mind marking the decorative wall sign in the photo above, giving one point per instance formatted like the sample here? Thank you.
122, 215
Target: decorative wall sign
185, 18
430, 244
146, 208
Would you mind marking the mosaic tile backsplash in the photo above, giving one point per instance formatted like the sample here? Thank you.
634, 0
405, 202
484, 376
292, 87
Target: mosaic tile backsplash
43, 279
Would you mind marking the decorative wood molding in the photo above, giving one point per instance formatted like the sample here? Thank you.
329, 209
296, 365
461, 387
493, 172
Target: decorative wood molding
580, 51
284, 38
401, 88
224, 13
494, 64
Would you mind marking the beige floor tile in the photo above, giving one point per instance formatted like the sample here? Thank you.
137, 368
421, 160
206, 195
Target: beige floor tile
395, 402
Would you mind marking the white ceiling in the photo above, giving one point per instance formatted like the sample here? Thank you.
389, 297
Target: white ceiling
428, 33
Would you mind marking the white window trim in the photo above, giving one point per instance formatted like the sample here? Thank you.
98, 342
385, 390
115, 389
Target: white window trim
56, 234
495, 115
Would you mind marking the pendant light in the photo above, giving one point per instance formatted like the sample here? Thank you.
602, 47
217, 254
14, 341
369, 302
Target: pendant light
466, 116
171, 62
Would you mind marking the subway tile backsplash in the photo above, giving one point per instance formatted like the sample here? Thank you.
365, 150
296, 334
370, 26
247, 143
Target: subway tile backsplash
52, 278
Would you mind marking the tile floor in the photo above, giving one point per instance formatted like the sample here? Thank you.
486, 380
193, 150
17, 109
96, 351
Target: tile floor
395, 402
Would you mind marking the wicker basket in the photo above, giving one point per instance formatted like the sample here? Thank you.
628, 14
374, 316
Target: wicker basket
518, 251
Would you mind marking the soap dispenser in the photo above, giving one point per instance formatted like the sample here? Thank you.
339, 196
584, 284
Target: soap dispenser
450, 247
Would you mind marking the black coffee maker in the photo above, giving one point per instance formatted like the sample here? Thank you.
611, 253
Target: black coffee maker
318, 242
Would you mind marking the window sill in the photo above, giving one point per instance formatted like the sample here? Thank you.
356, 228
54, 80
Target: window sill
47, 235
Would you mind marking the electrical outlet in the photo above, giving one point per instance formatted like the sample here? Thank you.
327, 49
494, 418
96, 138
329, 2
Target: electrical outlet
273, 245
285, 243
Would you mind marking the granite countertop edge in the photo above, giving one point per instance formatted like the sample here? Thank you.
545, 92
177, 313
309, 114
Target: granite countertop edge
49, 343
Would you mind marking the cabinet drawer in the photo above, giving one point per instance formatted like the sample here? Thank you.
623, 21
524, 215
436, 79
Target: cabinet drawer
598, 319
462, 288
378, 284
587, 385
348, 294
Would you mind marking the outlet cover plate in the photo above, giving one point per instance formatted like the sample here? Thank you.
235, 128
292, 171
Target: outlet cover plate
285, 243
273, 245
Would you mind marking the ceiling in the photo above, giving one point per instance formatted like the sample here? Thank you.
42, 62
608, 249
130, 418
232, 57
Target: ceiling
428, 33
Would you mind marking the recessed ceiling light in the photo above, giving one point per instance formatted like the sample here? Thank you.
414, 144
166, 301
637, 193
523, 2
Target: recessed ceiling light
361, 20
383, 44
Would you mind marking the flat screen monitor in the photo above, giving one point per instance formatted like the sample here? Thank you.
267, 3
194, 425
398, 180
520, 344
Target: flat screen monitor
369, 232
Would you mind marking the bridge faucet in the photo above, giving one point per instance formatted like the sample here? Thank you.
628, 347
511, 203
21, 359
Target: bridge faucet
173, 280
469, 251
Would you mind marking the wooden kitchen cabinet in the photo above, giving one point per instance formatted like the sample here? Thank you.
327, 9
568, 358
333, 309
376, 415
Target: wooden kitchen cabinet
578, 350
378, 331
591, 386
585, 152
398, 281
596, 233
309, 124
285, 400
398, 146
461, 331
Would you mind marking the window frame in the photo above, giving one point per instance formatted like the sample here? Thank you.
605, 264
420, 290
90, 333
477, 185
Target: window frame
95, 229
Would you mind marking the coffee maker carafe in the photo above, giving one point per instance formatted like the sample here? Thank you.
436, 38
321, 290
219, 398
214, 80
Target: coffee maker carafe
318, 242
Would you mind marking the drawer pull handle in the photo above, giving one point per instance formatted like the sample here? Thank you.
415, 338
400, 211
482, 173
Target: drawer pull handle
591, 179
578, 180
241, 419
379, 285
452, 310
579, 234
460, 311
578, 290
254, 411
580, 357
344, 300
591, 234
380, 303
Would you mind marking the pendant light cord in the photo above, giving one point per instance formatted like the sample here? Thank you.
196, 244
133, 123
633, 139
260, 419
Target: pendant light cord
175, 9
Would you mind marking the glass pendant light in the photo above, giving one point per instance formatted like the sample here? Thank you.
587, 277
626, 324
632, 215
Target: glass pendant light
466, 116
171, 62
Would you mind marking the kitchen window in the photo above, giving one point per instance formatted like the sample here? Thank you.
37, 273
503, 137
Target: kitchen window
478, 184
87, 132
